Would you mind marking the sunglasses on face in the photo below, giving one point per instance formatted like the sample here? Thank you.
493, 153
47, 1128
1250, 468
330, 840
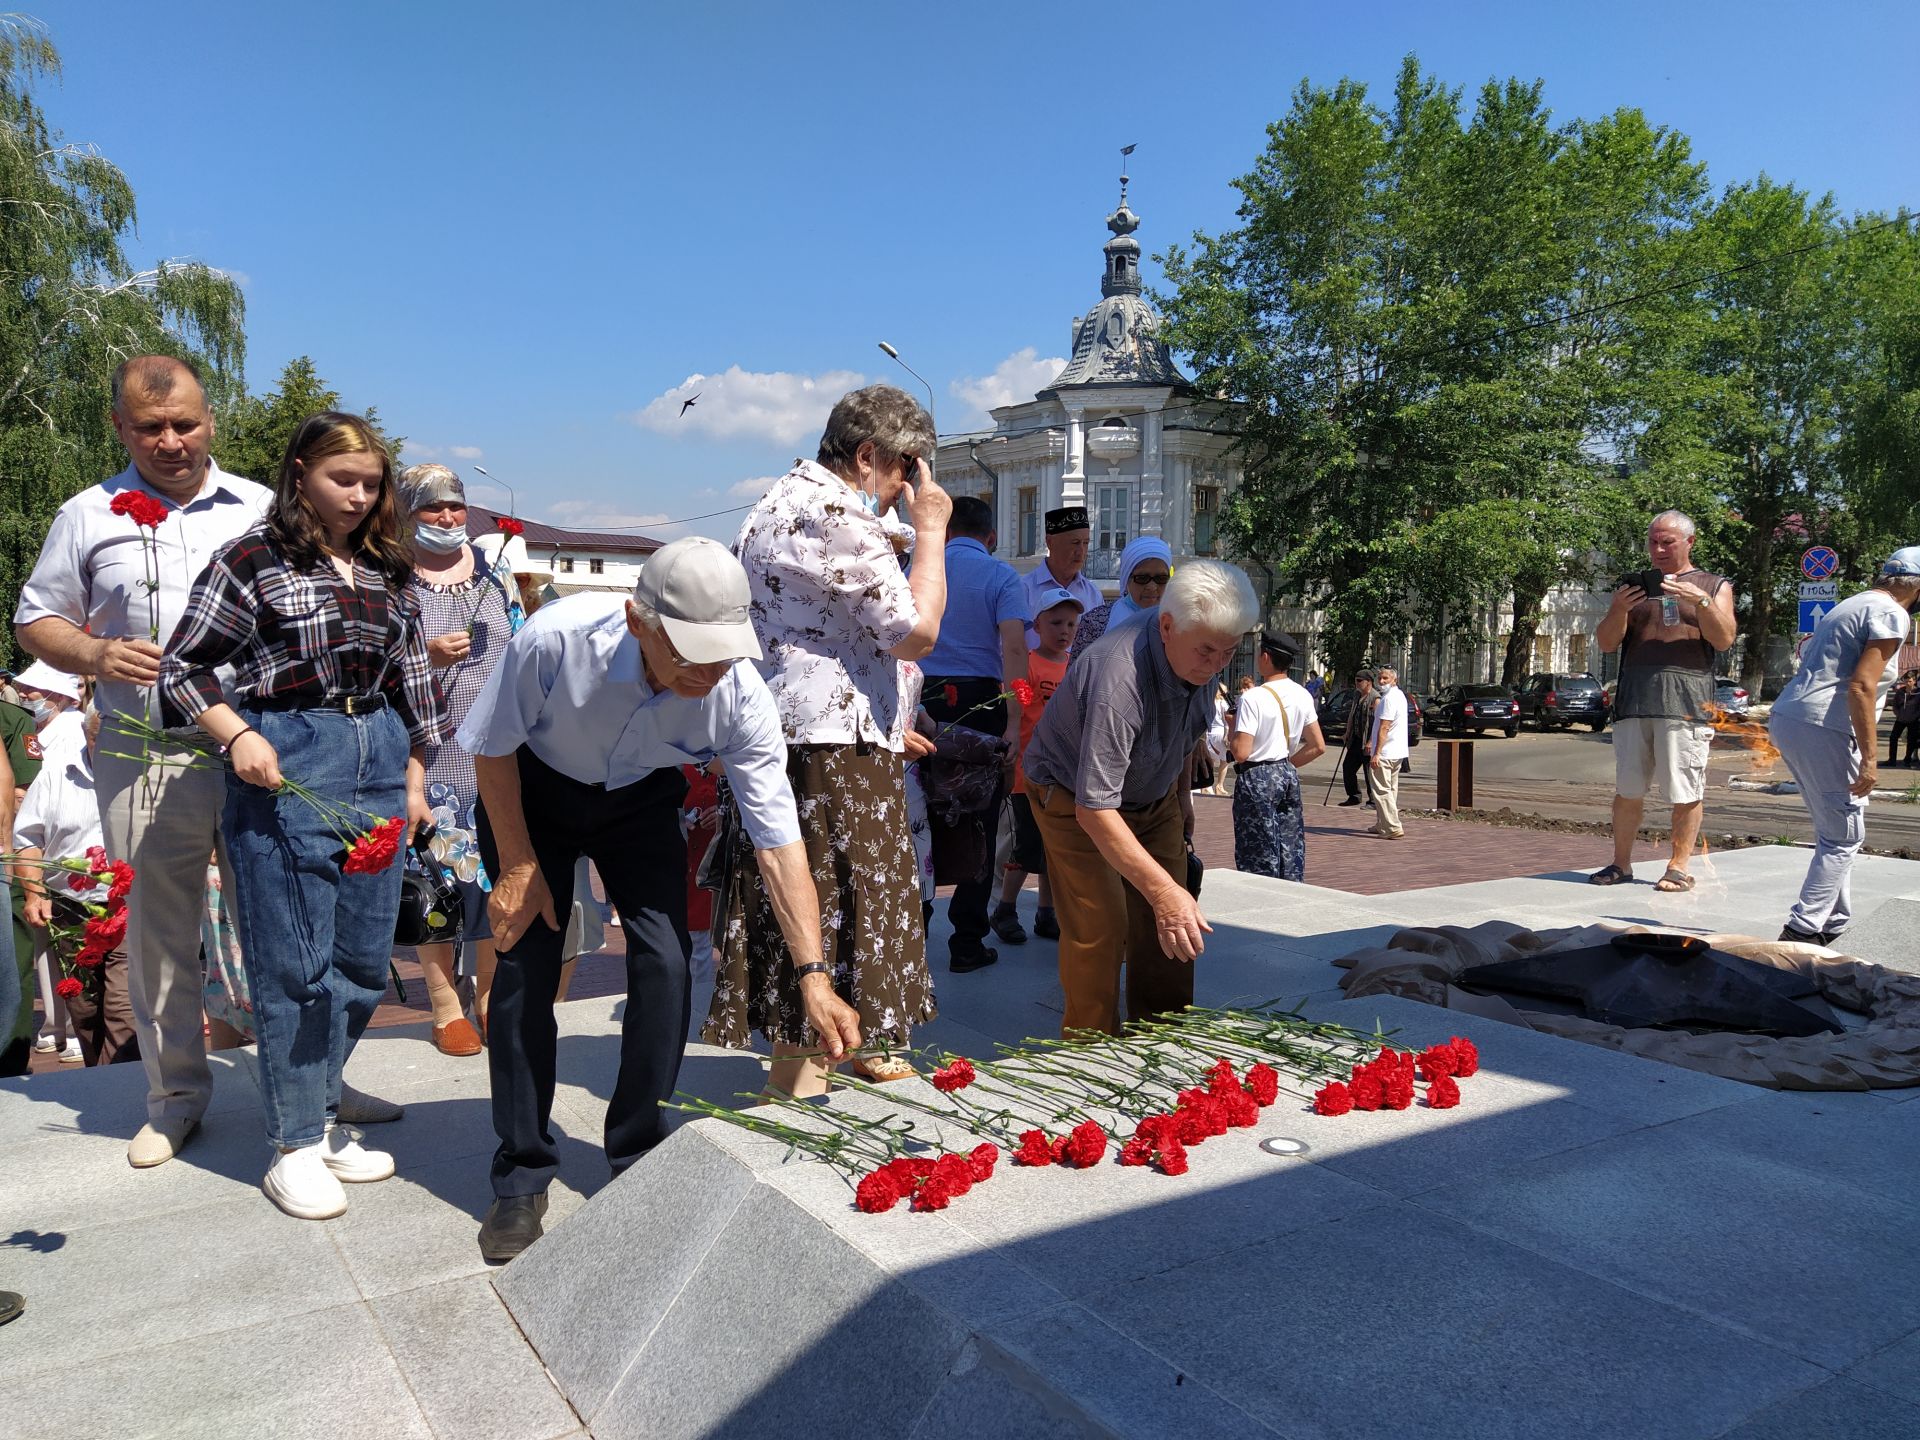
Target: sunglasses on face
1158, 578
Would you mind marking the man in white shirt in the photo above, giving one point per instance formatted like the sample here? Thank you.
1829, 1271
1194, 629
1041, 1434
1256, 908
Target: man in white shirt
1068, 535
88, 609
1386, 748
577, 743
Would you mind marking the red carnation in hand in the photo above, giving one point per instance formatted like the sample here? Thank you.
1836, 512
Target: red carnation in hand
1443, 1093
104, 932
375, 850
122, 882
878, 1192
1173, 1158
1437, 1060
1034, 1149
956, 1076
1332, 1099
1087, 1145
97, 857
144, 509
981, 1160
1466, 1056
67, 988
1263, 1083
1023, 691
951, 693
509, 526
79, 881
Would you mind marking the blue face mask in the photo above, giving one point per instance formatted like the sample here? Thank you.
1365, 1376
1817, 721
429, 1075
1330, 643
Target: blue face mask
869, 502
437, 538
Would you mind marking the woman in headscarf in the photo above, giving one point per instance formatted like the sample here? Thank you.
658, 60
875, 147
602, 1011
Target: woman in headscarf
1145, 567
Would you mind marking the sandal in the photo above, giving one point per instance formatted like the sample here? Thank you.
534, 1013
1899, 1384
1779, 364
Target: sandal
1673, 882
883, 1068
1612, 875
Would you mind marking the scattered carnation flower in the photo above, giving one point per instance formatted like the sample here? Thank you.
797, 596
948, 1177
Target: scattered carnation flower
1443, 1092
1034, 1149
1172, 1158
1466, 1056
878, 1192
956, 1076
1086, 1145
1332, 1099
1438, 1060
981, 1160
1263, 1083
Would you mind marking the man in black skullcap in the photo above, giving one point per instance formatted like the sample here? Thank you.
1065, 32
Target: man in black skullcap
1067, 537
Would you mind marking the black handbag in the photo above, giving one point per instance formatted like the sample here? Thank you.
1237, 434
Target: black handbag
1196, 871
429, 900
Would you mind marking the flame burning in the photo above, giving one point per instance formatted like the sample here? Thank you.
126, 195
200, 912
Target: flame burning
1745, 734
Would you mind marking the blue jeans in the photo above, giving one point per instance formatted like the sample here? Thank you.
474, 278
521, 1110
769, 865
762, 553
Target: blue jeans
1825, 764
315, 943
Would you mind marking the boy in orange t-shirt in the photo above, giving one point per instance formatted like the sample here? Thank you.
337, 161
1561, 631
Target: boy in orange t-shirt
1058, 618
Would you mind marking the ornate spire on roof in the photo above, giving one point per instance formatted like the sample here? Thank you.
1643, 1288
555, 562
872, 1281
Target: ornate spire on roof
1123, 251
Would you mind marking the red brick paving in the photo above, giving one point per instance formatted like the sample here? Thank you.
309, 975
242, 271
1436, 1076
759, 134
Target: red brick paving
1340, 856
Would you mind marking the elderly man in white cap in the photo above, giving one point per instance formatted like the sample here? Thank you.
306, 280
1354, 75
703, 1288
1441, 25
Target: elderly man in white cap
577, 740
1827, 724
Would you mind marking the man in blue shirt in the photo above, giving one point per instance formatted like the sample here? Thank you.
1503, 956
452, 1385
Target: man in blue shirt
577, 740
982, 649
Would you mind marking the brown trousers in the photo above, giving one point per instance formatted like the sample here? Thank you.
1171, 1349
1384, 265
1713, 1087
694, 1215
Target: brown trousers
1105, 924
104, 1024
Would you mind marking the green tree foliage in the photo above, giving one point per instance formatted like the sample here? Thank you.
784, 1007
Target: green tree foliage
254, 431
1417, 309
72, 308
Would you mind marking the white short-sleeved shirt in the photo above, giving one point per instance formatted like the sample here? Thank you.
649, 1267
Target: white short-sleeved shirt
60, 816
572, 688
1276, 716
92, 570
829, 602
1392, 705
1817, 694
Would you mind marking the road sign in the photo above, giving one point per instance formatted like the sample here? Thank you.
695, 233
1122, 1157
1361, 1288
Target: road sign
1817, 562
1811, 612
1819, 589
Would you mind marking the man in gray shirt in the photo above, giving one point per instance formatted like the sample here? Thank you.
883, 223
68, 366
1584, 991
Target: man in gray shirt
1106, 771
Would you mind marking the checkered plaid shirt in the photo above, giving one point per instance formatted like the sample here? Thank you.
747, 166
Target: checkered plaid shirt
295, 635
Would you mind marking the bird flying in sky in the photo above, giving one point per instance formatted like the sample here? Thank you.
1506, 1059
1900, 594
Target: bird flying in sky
687, 404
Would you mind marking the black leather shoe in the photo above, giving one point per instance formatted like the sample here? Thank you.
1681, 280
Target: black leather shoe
1805, 937
1005, 923
1046, 925
961, 961
1355, 801
512, 1224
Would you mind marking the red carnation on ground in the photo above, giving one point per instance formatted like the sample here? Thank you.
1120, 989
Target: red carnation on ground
1438, 1060
1034, 1149
1137, 1151
933, 1195
1443, 1093
1173, 1158
1466, 1056
1368, 1093
955, 1076
952, 1173
1263, 1083
1086, 1145
981, 1160
1332, 1099
67, 988
1242, 1110
878, 1192
1023, 691
509, 526
1399, 1093
142, 508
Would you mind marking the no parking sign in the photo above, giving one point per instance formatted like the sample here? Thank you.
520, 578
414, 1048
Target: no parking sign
1818, 562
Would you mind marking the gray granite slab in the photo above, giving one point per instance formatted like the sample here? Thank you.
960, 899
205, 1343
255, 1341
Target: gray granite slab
232, 1265
1840, 1409
1889, 936
1709, 1229
1838, 1136
1401, 1322
984, 1395
1895, 1369
467, 1365
322, 1374
108, 1100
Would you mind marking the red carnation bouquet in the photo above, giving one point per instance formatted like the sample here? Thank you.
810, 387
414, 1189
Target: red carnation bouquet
88, 896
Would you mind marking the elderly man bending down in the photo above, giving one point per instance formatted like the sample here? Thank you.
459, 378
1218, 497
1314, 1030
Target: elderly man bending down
577, 742
1106, 771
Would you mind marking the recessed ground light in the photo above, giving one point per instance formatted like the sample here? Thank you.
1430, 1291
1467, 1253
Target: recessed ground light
1282, 1145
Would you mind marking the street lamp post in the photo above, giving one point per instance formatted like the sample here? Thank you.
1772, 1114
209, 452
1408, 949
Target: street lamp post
894, 355
511, 499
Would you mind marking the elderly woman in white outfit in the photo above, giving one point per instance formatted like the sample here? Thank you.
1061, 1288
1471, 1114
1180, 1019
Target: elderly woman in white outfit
1826, 723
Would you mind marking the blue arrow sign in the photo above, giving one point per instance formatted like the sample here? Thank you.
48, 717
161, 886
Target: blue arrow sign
1811, 612
1819, 562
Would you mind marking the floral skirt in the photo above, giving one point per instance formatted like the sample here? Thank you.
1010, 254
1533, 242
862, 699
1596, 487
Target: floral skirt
853, 818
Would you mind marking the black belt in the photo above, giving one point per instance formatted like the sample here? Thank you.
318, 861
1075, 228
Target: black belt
343, 704
1256, 764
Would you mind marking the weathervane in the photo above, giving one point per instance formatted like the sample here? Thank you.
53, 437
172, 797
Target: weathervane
1125, 150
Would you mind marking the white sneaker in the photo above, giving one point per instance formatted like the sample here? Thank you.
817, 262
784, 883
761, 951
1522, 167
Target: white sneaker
352, 1162
301, 1184
71, 1055
46, 1044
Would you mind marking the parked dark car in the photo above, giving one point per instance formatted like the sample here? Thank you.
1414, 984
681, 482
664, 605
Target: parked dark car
1333, 717
1559, 700
1479, 708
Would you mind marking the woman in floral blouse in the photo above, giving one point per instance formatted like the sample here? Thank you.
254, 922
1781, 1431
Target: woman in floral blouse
837, 616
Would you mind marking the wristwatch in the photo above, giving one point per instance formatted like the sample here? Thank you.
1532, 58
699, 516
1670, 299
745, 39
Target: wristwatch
817, 967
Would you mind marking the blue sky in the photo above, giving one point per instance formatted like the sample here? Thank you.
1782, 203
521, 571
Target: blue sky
514, 229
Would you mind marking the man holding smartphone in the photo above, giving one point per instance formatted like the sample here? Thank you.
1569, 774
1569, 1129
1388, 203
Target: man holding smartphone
1670, 625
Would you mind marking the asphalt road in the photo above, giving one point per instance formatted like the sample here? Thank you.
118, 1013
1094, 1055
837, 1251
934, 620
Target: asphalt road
1568, 775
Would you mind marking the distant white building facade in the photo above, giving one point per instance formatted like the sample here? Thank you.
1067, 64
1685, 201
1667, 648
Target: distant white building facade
568, 560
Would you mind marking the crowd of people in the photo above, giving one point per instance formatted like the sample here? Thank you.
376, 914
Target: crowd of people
258, 695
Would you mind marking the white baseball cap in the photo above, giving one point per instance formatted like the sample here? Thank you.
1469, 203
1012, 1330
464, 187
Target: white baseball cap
1904, 561
700, 593
1055, 595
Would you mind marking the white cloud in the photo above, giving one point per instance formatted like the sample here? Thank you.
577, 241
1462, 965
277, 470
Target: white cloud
760, 404
596, 515
1016, 379
466, 452
751, 489
416, 452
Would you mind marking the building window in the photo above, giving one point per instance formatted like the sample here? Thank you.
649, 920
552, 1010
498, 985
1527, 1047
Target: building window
1542, 651
596, 566
1206, 511
1577, 653
1029, 530
1110, 527
566, 564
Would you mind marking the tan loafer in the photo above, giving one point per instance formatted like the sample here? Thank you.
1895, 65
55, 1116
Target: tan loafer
458, 1039
158, 1142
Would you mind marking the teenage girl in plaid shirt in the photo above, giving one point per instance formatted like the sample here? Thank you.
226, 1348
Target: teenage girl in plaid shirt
331, 687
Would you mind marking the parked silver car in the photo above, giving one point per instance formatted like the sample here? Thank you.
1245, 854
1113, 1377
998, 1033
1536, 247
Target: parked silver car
1731, 696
